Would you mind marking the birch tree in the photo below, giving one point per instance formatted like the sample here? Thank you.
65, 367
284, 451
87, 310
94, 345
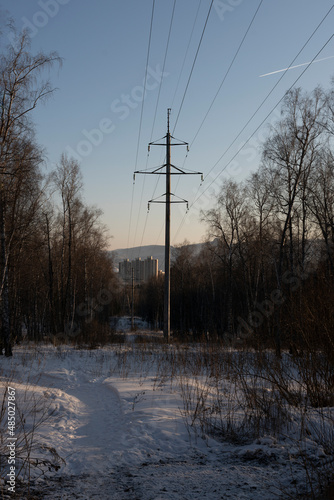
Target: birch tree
289, 156
21, 90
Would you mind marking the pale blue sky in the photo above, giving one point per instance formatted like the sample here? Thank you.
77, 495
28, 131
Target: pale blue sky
104, 45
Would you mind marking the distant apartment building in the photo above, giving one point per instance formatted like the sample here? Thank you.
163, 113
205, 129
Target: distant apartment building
143, 270
125, 270
151, 268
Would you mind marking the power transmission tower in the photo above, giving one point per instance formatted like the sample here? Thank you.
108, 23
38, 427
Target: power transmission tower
167, 169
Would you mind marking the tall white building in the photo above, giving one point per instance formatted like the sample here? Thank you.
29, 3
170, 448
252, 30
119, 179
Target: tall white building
150, 268
125, 270
143, 270
139, 270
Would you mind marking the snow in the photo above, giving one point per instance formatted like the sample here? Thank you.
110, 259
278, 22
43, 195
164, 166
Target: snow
121, 430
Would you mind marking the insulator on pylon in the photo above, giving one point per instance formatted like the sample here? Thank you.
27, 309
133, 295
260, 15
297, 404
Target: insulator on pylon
202, 178
134, 178
149, 148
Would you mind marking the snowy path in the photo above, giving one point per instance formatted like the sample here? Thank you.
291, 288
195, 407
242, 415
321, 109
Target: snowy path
136, 454
124, 438
89, 433
88, 426
100, 433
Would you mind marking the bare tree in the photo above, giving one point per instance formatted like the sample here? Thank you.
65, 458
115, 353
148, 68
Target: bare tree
68, 182
262, 208
289, 155
321, 201
20, 92
227, 223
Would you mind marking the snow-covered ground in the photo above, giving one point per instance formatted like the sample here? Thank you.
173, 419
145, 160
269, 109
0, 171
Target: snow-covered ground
122, 434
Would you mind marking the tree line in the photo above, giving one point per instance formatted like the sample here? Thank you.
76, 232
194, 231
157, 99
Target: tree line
53, 255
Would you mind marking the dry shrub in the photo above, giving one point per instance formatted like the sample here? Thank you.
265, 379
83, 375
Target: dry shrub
96, 334
31, 455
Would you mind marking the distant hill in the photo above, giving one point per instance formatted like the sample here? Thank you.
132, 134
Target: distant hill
155, 251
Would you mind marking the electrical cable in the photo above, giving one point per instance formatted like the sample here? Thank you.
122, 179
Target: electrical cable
163, 68
138, 215
145, 81
223, 80
142, 110
257, 110
193, 65
227, 72
131, 209
158, 238
155, 114
177, 86
146, 219
274, 87
262, 122
194, 61
186, 53
143, 233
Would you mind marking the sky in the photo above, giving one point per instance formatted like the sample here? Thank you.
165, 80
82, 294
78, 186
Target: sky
101, 115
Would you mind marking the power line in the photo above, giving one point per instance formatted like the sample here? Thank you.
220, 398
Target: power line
138, 215
158, 237
146, 219
262, 122
192, 31
257, 110
274, 87
219, 89
193, 65
163, 67
130, 218
145, 81
224, 78
155, 114
141, 113
156, 108
186, 53
228, 70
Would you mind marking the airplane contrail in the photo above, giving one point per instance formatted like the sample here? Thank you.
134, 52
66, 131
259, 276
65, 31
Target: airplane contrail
297, 66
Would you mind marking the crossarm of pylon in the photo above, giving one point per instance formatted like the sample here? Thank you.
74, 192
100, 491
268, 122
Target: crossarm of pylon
152, 170
158, 199
184, 172
156, 143
180, 143
179, 200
